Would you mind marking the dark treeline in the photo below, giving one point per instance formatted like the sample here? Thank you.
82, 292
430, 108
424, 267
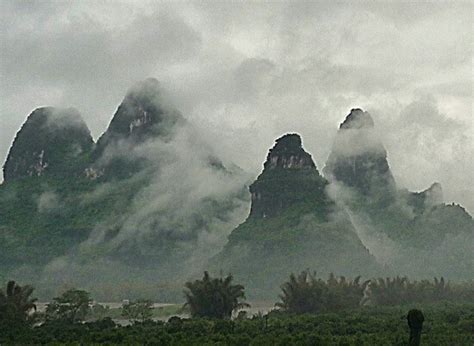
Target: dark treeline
306, 293
374, 312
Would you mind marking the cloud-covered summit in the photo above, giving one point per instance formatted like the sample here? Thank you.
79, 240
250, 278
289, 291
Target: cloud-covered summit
358, 158
247, 72
52, 141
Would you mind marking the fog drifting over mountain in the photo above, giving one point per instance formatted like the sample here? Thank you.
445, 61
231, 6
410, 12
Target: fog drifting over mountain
247, 73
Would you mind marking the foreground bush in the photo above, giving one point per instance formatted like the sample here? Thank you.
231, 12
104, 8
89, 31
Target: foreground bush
445, 324
72, 306
138, 311
214, 297
16, 304
306, 293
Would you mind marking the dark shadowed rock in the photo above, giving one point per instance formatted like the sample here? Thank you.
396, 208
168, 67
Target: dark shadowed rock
293, 224
289, 154
417, 222
358, 158
289, 176
52, 141
143, 115
357, 119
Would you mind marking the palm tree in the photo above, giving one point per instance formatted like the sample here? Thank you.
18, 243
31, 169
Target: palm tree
214, 297
306, 293
343, 293
16, 302
303, 294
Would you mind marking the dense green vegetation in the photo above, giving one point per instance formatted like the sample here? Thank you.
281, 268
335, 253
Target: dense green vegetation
306, 293
37, 210
312, 311
445, 324
74, 213
16, 304
214, 297
140, 310
72, 306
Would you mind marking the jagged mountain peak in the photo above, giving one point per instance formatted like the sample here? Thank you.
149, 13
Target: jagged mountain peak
288, 153
290, 141
289, 177
357, 119
51, 141
144, 113
358, 158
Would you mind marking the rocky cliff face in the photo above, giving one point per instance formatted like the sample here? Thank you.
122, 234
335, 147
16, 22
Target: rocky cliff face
143, 115
358, 158
289, 176
293, 224
419, 227
52, 141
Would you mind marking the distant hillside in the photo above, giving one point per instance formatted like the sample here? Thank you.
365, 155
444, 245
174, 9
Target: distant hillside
425, 235
292, 224
149, 195
152, 201
52, 142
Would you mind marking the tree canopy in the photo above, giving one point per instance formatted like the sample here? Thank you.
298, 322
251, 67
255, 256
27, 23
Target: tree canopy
214, 297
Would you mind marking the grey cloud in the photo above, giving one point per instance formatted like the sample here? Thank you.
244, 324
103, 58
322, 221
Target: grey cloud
248, 72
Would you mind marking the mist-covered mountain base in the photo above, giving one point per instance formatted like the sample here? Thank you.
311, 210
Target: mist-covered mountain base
412, 233
150, 205
147, 203
292, 224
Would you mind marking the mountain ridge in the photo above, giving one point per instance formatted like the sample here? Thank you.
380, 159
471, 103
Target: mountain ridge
143, 196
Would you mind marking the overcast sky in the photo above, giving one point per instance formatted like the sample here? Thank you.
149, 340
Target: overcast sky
246, 73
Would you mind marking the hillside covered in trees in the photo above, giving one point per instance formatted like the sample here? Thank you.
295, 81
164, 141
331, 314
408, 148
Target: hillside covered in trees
151, 198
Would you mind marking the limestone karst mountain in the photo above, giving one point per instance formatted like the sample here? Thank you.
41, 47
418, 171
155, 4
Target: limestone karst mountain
52, 142
358, 158
147, 193
418, 226
144, 115
152, 195
289, 177
292, 224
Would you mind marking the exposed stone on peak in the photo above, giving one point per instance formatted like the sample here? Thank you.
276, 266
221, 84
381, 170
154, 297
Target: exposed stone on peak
289, 154
292, 224
357, 119
358, 158
51, 141
143, 113
289, 177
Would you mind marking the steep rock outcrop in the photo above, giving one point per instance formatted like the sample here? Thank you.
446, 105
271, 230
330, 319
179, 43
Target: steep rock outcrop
358, 158
143, 115
292, 225
423, 233
289, 176
52, 141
